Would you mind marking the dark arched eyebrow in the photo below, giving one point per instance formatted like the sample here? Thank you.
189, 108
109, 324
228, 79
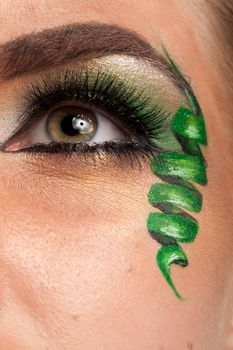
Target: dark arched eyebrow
53, 47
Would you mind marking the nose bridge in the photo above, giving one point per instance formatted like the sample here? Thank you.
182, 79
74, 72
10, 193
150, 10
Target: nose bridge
18, 299
14, 236
10, 227
5, 227
19, 327
9, 246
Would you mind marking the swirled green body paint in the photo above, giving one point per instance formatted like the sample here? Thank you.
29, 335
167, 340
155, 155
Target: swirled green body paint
176, 195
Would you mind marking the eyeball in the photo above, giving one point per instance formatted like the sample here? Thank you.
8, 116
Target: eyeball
71, 124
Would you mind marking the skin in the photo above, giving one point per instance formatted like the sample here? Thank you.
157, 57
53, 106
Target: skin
69, 278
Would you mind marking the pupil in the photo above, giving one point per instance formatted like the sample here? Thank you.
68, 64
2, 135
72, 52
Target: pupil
67, 127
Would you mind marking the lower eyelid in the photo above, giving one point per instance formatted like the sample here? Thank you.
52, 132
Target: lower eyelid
122, 154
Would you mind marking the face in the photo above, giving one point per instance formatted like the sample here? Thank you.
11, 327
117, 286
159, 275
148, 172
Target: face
89, 127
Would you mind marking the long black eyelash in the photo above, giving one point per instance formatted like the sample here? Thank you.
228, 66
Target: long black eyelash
107, 92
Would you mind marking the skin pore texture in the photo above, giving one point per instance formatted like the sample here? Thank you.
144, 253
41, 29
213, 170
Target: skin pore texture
77, 267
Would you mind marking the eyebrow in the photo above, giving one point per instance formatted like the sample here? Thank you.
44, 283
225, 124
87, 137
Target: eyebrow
34, 52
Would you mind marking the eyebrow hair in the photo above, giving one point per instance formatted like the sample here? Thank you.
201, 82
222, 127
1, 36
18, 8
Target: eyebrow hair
56, 46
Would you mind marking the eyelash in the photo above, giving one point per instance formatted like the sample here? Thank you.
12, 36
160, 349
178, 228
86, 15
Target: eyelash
106, 92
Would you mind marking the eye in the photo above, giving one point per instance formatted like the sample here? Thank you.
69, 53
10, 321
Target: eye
70, 124
98, 110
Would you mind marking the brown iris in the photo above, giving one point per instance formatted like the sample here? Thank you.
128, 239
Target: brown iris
71, 124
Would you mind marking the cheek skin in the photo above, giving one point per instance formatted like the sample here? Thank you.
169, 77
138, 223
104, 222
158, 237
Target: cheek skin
73, 263
75, 275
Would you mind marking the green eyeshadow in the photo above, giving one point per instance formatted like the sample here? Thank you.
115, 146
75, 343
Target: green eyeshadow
171, 224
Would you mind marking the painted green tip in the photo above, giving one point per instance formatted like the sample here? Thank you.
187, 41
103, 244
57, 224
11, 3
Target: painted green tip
167, 256
186, 166
189, 92
183, 229
189, 126
173, 197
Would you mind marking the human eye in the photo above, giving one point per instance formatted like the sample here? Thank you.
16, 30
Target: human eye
112, 105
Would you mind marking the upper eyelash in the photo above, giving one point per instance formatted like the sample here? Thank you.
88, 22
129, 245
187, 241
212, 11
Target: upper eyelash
108, 92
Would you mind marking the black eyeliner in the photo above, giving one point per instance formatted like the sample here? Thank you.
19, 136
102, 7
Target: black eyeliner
132, 151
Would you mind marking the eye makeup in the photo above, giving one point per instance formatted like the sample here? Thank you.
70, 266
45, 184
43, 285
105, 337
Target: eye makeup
173, 225
137, 97
161, 122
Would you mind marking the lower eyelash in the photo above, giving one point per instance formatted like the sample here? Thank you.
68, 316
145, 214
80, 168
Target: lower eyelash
133, 152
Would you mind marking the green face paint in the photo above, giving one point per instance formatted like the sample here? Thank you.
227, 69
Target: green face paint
176, 195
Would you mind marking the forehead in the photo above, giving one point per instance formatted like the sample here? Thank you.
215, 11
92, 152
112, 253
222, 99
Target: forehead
25, 16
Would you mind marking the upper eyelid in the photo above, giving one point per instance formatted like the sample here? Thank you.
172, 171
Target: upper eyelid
69, 81
37, 99
107, 63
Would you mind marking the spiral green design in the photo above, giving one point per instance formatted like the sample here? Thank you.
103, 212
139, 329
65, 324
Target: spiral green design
176, 196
